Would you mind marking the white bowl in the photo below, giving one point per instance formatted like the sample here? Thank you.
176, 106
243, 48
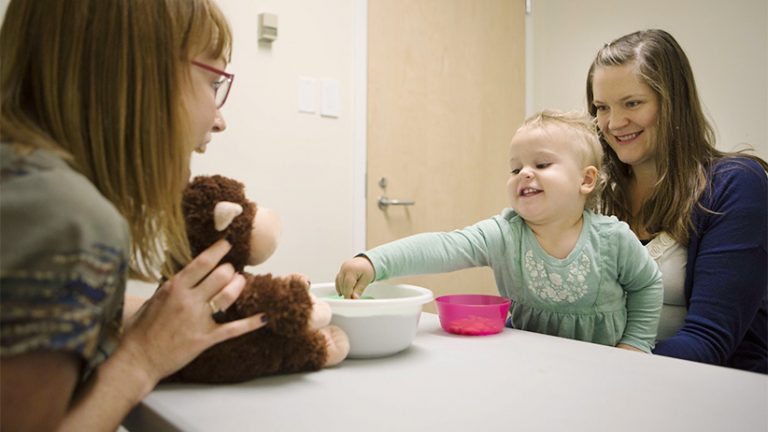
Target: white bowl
380, 326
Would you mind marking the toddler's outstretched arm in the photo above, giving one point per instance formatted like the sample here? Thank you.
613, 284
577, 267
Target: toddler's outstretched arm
354, 275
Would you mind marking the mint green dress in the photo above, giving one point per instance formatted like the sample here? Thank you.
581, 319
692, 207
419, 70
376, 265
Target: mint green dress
607, 291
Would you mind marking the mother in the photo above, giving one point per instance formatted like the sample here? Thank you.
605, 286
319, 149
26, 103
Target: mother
702, 212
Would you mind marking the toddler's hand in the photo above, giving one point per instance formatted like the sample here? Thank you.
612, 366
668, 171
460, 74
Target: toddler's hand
355, 274
628, 347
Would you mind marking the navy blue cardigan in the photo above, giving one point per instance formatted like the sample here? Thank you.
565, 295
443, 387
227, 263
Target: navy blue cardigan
726, 278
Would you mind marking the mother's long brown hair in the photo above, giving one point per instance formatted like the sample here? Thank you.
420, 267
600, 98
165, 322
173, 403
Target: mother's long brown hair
684, 142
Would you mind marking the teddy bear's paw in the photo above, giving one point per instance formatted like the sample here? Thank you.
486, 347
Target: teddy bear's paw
336, 344
300, 277
321, 313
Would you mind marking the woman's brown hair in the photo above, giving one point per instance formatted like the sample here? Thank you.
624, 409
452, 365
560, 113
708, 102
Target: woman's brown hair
101, 83
685, 140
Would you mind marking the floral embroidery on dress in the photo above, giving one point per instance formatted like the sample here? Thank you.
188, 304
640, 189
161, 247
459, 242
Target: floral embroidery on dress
552, 286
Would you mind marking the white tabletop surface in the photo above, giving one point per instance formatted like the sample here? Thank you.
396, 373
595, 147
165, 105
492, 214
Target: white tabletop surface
512, 381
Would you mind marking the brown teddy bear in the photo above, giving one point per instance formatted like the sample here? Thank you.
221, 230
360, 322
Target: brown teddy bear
297, 336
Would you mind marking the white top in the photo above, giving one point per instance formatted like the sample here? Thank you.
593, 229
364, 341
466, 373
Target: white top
514, 380
671, 258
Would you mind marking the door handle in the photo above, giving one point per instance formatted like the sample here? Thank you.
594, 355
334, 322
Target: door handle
385, 202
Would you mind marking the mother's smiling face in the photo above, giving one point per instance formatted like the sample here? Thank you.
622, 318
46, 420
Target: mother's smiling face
627, 113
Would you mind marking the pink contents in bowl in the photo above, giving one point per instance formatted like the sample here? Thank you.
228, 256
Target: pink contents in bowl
472, 314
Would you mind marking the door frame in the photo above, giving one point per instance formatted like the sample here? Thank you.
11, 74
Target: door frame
360, 123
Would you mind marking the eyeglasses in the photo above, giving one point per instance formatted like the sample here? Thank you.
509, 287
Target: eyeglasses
222, 86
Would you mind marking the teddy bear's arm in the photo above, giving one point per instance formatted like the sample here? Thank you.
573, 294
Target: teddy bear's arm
285, 300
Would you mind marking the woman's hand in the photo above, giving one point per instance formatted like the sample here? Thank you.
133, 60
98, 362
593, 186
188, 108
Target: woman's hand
355, 274
176, 324
167, 332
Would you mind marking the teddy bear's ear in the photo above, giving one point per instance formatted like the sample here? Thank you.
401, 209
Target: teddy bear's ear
224, 213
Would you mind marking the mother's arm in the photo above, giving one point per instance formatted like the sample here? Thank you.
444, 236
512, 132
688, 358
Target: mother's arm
729, 276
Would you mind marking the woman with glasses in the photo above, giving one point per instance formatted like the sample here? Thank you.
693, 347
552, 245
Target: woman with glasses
103, 102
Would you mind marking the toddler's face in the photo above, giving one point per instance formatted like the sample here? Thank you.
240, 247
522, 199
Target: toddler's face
546, 174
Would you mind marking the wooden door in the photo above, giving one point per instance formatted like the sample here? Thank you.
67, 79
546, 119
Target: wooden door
446, 92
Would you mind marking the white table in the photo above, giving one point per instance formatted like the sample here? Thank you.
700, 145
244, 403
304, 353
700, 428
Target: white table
512, 381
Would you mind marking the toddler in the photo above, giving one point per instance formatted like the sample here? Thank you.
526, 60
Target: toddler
568, 271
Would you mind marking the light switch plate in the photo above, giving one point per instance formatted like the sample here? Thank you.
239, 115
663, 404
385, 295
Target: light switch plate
307, 92
329, 99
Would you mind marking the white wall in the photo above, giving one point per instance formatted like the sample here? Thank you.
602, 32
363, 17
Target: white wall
725, 40
311, 169
305, 166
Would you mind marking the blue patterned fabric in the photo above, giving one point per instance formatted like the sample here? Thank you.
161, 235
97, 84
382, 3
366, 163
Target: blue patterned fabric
64, 257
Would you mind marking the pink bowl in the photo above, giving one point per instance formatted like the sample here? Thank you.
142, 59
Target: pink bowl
472, 314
